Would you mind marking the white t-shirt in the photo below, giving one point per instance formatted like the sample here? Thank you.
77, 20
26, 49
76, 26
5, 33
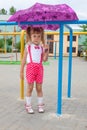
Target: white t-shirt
35, 53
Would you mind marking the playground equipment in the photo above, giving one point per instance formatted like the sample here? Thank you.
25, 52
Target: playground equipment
60, 66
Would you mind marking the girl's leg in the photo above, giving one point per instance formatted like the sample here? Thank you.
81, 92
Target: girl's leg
28, 98
29, 89
40, 97
39, 90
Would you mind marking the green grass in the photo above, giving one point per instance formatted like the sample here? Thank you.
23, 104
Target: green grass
10, 62
17, 63
46, 63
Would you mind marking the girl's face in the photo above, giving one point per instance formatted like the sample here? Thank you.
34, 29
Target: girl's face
36, 38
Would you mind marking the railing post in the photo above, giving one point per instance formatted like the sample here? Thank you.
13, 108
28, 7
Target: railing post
70, 62
54, 49
70, 66
59, 103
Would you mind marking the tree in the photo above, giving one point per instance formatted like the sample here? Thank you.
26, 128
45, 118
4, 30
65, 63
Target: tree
12, 10
3, 11
84, 29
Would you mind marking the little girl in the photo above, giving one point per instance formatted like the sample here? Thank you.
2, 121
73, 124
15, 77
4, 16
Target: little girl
34, 54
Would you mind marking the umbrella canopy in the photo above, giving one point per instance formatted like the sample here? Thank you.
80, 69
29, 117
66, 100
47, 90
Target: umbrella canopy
44, 12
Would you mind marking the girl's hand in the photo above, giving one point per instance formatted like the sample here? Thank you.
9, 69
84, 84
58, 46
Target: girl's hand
46, 52
46, 48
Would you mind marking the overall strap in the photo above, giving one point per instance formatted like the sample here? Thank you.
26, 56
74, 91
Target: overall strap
29, 50
41, 55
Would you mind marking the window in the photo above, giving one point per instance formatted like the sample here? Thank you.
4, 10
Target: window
68, 38
73, 49
50, 37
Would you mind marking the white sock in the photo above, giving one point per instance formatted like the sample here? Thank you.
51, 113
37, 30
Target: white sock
40, 100
28, 100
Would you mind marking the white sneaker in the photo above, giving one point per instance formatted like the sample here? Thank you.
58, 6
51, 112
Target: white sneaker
41, 108
29, 109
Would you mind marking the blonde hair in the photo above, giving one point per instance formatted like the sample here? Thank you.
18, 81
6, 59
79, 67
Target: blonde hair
30, 30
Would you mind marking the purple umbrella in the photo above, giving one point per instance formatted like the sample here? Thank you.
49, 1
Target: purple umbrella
44, 12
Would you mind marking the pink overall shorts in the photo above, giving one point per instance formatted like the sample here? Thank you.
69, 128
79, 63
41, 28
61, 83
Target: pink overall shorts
34, 71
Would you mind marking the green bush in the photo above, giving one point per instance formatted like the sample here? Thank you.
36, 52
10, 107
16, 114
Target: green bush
8, 44
9, 41
9, 48
18, 46
2, 43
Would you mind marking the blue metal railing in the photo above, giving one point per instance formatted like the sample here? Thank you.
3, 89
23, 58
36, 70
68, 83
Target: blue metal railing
70, 62
59, 100
46, 22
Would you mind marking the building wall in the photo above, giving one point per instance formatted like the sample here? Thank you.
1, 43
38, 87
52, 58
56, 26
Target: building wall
55, 40
74, 46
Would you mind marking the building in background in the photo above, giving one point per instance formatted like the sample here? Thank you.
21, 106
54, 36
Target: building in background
53, 41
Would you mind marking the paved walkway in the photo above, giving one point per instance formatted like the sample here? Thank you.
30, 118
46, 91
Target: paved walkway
74, 110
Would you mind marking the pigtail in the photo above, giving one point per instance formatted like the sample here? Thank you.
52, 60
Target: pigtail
28, 30
28, 33
42, 36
